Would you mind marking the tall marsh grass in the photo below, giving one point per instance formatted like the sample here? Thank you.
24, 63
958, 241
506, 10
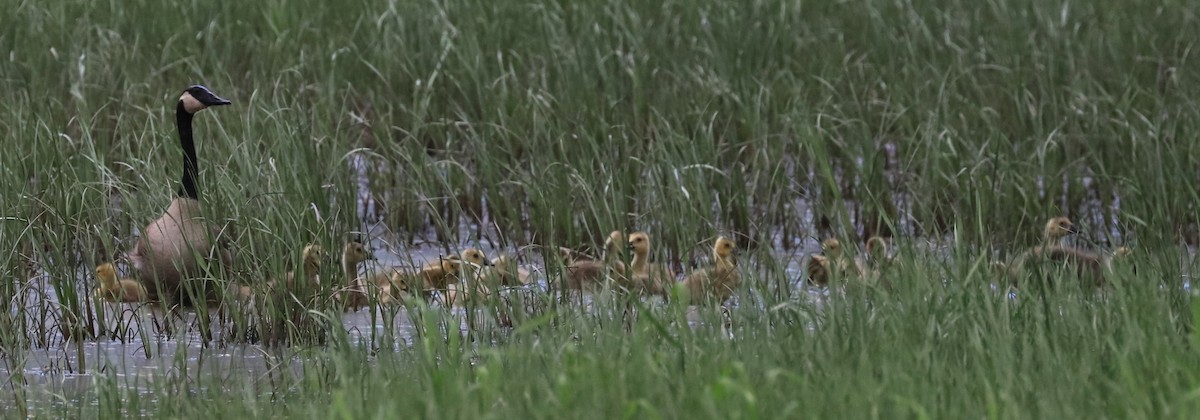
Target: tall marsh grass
514, 124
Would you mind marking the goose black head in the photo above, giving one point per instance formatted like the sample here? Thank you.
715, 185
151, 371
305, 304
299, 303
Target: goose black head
198, 97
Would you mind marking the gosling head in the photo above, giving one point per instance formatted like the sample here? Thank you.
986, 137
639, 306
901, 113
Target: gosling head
475, 256
831, 247
1059, 227
876, 247
639, 243
612, 244
508, 264
313, 254
355, 252
450, 264
724, 248
196, 98
1122, 252
106, 273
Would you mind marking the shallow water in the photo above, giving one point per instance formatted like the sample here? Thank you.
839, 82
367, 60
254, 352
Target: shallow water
144, 352
57, 366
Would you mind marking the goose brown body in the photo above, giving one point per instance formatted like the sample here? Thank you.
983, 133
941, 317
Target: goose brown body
171, 247
1088, 266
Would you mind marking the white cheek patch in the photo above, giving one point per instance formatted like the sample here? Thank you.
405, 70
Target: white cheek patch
191, 104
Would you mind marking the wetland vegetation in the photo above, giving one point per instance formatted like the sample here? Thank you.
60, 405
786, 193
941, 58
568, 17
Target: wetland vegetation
953, 129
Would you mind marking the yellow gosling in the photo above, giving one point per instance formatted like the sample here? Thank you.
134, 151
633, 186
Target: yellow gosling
588, 274
1121, 254
1088, 266
817, 269
877, 261
312, 256
436, 275
114, 290
241, 293
503, 271
470, 283
833, 250
506, 270
717, 283
877, 252
1058, 228
354, 296
648, 277
831, 263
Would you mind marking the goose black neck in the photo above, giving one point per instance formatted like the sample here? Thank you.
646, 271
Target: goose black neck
183, 123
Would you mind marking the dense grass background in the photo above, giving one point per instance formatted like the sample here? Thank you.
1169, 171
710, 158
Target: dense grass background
771, 121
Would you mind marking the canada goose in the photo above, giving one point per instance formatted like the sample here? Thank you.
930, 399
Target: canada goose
312, 256
1057, 229
435, 275
877, 262
715, 284
586, 274
830, 263
113, 290
648, 277
1089, 266
241, 293
877, 253
1122, 253
502, 272
469, 283
165, 254
817, 269
354, 295
506, 270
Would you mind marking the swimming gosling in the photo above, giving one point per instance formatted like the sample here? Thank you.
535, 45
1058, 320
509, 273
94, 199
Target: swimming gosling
822, 267
469, 283
1089, 266
113, 290
648, 277
311, 257
588, 274
435, 275
505, 269
354, 295
715, 284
